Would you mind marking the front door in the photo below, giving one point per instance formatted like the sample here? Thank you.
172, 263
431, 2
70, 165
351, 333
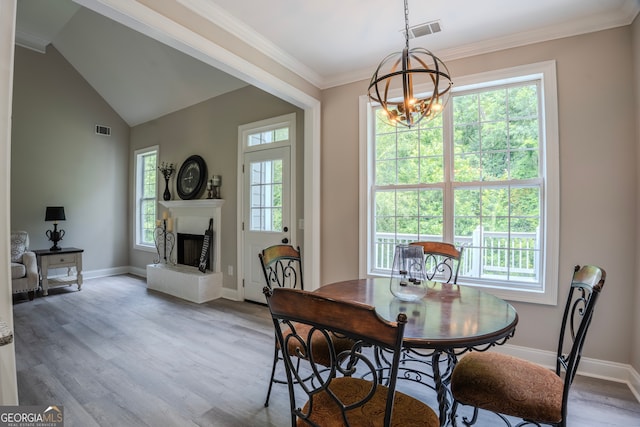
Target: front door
266, 212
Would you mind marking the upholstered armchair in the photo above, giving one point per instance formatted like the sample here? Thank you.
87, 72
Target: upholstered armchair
24, 267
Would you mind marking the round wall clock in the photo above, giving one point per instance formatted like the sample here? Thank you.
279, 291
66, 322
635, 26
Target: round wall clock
191, 178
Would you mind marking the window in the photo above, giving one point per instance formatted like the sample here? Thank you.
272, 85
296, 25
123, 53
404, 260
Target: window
482, 175
146, 173
270, 136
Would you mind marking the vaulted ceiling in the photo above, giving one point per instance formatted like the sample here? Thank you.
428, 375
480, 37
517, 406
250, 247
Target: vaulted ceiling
329, 42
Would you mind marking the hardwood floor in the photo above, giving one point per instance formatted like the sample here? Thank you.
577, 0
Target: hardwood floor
116, 354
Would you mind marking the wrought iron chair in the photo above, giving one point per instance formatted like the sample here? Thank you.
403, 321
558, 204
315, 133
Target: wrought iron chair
282, 268
442, 260
441, 263
510, 386
348, 391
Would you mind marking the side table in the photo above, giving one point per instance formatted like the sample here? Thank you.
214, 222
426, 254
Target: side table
64, 258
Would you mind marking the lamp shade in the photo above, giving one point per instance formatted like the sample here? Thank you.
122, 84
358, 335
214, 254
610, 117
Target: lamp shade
54, 213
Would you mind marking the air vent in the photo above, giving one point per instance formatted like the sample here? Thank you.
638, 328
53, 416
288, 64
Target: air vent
424, 29
103, 130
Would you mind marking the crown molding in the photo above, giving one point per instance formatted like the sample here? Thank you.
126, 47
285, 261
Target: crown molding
622, 17
31, 41
218, 16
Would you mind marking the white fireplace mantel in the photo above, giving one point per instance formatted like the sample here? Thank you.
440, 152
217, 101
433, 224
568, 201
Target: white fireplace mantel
200, 207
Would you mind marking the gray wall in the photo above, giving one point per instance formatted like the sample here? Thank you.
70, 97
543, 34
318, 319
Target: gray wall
210, 129
598, 183
57, 159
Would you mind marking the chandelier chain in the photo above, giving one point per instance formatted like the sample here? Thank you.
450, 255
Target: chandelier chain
406, 23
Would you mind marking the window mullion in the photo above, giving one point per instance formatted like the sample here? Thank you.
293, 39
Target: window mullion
448, 208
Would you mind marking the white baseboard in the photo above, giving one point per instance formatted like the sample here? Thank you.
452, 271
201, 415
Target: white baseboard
634, 384
136, 271
611, 371
231, 294
92, 274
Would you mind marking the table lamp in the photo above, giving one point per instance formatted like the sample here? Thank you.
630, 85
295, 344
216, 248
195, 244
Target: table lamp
55, 214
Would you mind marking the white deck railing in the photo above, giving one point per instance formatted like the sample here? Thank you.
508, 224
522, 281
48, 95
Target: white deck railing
487, 254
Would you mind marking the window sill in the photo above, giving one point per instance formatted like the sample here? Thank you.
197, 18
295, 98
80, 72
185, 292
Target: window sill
548, 297
145, 248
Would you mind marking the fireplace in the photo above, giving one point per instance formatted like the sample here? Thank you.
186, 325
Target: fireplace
190, 248
184, 280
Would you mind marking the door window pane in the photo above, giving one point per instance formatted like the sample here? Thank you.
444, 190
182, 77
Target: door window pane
266, 195
268, 136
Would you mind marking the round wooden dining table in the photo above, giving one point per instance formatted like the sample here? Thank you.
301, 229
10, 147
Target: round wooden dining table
447, 322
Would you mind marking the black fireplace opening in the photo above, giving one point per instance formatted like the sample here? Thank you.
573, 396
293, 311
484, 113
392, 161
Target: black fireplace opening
190, 248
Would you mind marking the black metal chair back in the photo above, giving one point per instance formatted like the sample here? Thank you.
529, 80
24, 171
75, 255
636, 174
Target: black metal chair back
347, 390
441, 260
586, 286
282, 266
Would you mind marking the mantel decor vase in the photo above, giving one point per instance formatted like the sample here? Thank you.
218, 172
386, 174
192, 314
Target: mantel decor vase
408, 277
167, 194
167, 169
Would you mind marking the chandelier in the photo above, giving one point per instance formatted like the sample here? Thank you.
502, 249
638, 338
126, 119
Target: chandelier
408, 69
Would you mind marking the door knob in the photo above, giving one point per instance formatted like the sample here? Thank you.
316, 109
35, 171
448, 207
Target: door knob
285, 240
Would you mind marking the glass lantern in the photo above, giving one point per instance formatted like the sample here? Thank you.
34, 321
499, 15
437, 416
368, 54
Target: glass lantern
408, 277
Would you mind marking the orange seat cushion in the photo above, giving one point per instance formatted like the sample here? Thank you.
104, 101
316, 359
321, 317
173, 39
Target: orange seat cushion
319, 345
508, 385
407, 411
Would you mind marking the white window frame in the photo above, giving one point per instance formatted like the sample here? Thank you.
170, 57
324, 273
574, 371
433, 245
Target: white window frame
137, 232
549, 150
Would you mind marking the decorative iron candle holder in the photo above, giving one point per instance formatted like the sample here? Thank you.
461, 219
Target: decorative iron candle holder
165, 240
408, 277
216, 183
